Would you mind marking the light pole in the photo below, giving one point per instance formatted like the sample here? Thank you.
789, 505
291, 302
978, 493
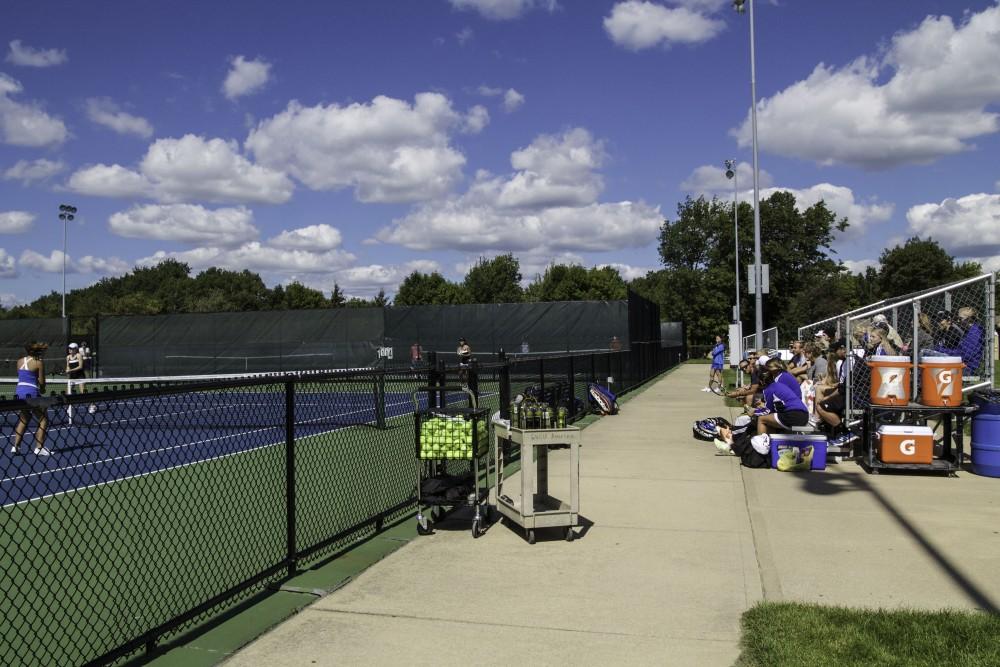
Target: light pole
66, 214
731, 173
738, 5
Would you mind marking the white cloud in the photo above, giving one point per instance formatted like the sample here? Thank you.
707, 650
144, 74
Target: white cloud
860, 265
22, 54
627, 271
501, 10
387, 150
8, 269
368, 280
26, 124
941, 80
8, 300
314, 237
245, 77
185, 223
711, 180
464, 36
189, 168
104, 111
102, 180
87, 264
15, 222
637, 24
33, 171
968, 226
255, 256
549, 204
476, 120
842, 202
512, 100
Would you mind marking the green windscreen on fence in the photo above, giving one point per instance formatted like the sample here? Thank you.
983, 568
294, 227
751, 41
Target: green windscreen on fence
242, 342
14, 334
531, 328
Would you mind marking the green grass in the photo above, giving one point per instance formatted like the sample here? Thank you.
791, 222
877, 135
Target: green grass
788, 633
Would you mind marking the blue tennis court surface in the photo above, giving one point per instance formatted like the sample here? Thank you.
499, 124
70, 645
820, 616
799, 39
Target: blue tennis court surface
134, 437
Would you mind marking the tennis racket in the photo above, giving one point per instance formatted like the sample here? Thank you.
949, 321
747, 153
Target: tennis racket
717, 388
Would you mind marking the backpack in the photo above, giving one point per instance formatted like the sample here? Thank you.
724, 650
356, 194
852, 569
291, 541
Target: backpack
603, 400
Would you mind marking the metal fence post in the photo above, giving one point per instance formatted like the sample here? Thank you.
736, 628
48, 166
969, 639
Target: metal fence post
474, 379
504, 385
380, 400
290, 542
915, 380
541, 375
432, 379
571, 377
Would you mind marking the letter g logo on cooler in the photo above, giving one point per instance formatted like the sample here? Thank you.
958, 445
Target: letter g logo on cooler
908, 447
943, 380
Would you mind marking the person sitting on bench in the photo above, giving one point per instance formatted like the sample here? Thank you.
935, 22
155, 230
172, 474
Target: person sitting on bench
783, 398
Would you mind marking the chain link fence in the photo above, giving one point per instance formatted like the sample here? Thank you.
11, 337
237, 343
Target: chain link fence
954, 320
768, 340
147, 510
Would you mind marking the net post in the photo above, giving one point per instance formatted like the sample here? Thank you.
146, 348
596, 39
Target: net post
290, 546
380, 400
541, 375
504, 385
474, 379
432, 379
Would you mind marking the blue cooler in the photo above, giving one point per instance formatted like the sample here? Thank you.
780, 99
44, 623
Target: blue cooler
783, 441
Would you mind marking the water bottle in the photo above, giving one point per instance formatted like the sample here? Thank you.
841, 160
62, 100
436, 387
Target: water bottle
561, 415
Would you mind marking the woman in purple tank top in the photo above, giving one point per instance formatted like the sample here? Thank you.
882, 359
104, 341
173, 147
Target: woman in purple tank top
31, 384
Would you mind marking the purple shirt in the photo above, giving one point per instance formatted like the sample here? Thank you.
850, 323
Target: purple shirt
784, 395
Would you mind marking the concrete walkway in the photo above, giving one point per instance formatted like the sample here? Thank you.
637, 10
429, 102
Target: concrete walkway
681, 542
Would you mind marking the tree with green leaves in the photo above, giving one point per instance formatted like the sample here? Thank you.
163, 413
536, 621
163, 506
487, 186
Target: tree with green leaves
919, 264
697, 283
562, 282
420, 289
496, 280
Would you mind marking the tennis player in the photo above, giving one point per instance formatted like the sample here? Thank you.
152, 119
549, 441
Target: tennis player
31, 384
464, 352
718, 357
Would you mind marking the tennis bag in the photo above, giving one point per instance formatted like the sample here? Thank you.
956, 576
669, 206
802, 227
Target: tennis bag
604, 402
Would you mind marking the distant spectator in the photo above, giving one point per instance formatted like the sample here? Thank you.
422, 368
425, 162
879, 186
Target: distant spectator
822, 339
524, 347
416, 355
616, 345
718, 355
970, 348
893, 336
946, 333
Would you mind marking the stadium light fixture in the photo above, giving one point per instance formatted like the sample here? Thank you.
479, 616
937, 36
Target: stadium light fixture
66, 214
740, 6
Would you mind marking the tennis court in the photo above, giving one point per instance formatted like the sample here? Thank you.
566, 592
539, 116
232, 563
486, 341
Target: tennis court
187, 487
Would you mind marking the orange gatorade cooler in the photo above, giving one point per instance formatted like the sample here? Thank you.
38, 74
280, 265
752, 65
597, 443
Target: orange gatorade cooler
890, 380
941, 381
905, 444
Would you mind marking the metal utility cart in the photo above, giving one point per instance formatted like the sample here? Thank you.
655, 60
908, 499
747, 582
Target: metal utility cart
530, 505
953, 419
446, 436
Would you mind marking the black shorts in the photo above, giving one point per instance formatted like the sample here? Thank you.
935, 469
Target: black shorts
77, 374
834, 405
792, 418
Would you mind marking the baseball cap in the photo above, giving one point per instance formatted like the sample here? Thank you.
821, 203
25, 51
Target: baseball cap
837, 344
819, 334
943, 315
879, 319
73, 346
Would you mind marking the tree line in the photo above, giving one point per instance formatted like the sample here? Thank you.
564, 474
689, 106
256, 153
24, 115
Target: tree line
695, 284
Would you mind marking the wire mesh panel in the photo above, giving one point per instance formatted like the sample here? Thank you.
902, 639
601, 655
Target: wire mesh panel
134, 514
152, 505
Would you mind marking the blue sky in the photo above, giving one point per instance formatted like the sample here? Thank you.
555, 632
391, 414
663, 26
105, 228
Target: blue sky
352, 143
